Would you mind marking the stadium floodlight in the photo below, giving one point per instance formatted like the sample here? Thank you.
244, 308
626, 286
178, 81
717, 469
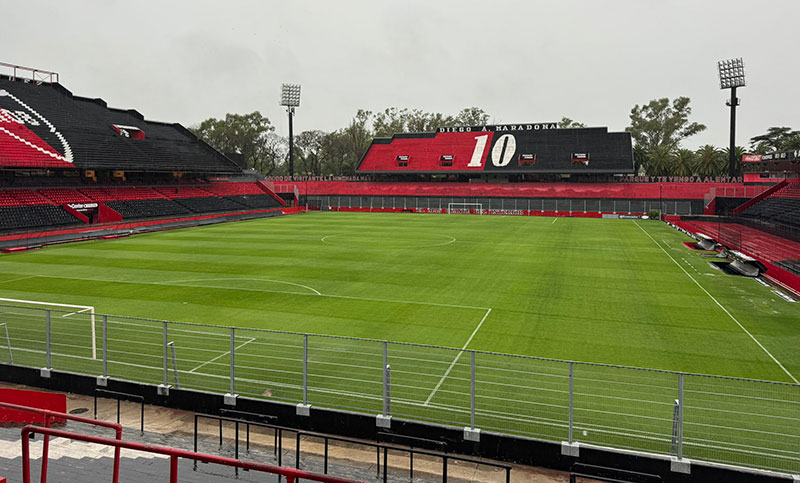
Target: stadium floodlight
290, 97
731, 76
731, 73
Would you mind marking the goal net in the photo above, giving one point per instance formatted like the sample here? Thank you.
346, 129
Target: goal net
465, 208
65, 311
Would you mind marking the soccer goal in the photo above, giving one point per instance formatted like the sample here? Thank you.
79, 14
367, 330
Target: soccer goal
71, 310
464, 208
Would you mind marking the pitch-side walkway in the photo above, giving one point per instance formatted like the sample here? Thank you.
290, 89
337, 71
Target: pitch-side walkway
74, 461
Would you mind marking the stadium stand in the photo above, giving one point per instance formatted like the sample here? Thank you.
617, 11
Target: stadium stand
779, 208
147, 208
45, 126
255, 201
209, 204
34, 216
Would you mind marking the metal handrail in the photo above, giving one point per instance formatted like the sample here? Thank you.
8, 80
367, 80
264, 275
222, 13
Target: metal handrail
49, 416
291, 474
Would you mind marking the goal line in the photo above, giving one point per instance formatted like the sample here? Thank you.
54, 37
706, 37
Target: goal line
79, 309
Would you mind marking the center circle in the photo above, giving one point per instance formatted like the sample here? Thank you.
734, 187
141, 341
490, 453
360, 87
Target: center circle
387, 240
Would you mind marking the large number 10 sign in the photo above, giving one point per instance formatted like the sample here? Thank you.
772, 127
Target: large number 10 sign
501, 155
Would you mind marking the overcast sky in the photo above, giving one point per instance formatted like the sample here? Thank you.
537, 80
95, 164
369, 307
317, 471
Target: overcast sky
521, 61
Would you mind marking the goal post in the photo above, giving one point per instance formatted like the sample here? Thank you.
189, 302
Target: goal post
77, 309
463, 208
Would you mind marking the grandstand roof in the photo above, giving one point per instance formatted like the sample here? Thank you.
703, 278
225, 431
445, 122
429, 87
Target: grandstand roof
45, 126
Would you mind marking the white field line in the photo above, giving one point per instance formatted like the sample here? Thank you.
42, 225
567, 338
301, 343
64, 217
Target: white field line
18, 279
251, 339
554, 221
455, 360
176, 282
351, 297
720, 306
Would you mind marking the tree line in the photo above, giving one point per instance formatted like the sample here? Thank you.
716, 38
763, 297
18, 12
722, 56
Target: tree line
658, 129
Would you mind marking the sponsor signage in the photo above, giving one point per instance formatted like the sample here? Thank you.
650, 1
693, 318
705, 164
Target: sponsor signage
751, 158
784, 156
82, 206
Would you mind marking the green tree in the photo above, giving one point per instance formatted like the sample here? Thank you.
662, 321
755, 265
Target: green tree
660, 160
471, 116
775, 139
661, 123
710, 161
684, 162
250, 135
738, 152
309, 152
566, 123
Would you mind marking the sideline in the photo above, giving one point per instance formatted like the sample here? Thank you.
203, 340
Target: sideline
719, 304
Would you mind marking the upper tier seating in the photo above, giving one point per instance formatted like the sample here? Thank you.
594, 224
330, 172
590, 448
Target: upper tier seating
83, 135
232, 188
64, 195
182, 191
780, 208
34, 216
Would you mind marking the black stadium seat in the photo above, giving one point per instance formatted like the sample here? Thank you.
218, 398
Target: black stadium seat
34, 216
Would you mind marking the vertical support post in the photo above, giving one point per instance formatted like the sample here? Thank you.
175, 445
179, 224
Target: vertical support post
680, 413
472, 390
571, 398
291, 147
105, 346
233, 361
173, 469
305, 368
164, 349
385, 375
732, 154
49, 355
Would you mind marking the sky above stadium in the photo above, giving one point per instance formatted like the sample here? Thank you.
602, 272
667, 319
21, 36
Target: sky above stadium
521, 61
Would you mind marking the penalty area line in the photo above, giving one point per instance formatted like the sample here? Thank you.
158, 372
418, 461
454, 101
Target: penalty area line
251, 339
455, 360
720, 305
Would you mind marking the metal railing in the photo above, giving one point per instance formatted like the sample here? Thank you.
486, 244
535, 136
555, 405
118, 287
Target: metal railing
735, 421
382, 449
292, 475
50, 417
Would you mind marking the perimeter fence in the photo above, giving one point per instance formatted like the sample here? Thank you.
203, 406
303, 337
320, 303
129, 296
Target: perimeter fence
741, 422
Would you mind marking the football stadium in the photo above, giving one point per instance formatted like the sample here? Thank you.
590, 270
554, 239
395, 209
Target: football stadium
489, 302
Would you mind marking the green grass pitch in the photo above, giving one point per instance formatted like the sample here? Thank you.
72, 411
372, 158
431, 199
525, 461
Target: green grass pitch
621, 292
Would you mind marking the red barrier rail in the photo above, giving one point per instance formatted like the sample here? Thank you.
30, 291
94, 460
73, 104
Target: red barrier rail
291, 474
49, 416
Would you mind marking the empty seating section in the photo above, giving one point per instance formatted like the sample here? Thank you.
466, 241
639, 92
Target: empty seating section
28, 197
64, 195
85, 131
255, 201
780, 208
145, 208
34, 216
232, 188
210, 204
182, 191
32, 209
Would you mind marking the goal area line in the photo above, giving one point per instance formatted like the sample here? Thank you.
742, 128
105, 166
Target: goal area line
80, 310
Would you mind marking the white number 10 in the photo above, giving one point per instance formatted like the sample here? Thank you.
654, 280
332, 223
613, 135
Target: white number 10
503, 151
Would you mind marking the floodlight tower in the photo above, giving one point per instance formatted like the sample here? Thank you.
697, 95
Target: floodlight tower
731, 76
290, 97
